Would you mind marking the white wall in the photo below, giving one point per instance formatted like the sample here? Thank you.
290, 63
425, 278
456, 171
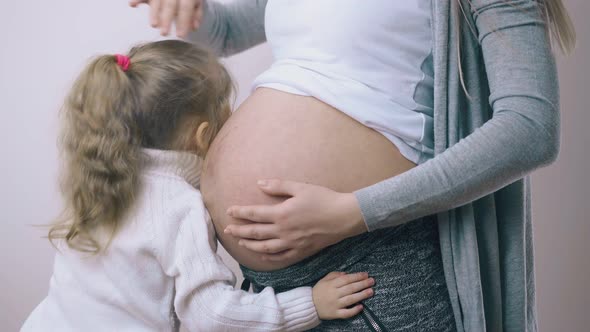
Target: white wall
561, 197
44, 45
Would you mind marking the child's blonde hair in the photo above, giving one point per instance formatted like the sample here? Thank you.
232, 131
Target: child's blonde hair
169, 88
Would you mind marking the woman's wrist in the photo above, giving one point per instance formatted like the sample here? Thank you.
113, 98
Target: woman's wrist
354, 221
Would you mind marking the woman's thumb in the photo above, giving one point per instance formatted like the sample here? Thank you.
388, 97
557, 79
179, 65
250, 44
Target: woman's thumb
279, 187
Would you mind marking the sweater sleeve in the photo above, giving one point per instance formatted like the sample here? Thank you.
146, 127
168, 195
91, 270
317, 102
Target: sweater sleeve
231, 27
205, 298
522, 135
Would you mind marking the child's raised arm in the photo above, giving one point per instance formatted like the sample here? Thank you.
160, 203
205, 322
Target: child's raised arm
206, 299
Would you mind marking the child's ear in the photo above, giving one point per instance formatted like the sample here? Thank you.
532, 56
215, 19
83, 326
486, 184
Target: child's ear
201, 137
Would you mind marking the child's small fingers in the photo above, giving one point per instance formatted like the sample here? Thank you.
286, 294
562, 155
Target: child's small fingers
333, 275
350, 312
355, 287
351, 299
350, 278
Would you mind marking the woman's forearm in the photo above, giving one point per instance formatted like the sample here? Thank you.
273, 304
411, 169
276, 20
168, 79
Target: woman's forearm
484, 162
230, 28
522, 135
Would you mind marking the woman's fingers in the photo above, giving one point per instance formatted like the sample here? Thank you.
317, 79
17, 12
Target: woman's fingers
198, 16
252, 231
272, 246
184, 21
167, 14
186, 13
348, 313
280, 187
155, 13
256, 213
350, 278
135, 3
351, 299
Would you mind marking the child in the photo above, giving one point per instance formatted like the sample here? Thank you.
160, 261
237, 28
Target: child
137, 249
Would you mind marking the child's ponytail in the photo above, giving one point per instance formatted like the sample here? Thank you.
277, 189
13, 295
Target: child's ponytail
102, 151
155, 98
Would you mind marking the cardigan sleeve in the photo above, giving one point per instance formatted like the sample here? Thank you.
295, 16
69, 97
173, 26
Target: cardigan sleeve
205, 298
231, 27
522, 135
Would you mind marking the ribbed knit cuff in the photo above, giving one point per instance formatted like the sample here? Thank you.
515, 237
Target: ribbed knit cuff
298, 308
209, 30
369, 208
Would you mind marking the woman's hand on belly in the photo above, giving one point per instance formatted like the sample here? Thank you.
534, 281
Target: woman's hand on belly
313, 218
276, 135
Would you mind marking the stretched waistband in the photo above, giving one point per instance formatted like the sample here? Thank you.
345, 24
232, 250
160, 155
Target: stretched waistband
334, 258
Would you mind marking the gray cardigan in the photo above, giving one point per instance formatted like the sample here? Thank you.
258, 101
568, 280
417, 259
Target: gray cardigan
485, 143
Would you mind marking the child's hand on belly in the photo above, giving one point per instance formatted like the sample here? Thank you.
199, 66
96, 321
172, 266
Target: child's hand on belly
336, 293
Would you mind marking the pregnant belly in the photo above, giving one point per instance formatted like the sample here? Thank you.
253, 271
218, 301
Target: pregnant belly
279, 135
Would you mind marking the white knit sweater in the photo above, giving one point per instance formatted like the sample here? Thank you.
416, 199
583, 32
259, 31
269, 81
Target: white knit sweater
161, 268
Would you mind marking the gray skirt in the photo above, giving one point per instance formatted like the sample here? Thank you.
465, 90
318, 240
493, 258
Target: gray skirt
410, 288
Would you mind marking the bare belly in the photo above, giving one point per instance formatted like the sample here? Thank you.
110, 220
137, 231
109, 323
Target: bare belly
279, 135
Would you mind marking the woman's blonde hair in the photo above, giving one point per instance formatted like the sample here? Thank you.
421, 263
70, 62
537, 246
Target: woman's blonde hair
559, 24
110, 114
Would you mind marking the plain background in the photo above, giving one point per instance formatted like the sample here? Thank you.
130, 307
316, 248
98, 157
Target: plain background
45, 43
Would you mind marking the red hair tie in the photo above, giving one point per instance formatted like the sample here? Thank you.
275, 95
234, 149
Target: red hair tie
123, 61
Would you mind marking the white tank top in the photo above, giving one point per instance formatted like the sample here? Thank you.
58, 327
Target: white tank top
370, 59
